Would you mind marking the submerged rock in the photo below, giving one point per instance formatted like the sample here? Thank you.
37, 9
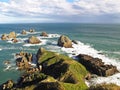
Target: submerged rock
96, 66
33, 40
44, 34
64, 41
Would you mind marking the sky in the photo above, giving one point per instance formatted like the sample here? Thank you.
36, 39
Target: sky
71, 11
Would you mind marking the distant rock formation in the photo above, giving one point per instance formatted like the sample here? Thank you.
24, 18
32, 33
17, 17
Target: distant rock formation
11, 35
23, 32
32, 30
33, 40
23, 60
64, 41
96, 66
44, 34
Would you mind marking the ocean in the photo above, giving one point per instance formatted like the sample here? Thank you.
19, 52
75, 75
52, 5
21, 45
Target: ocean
98, 40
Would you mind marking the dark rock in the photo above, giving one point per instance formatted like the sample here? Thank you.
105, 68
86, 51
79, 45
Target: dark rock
75, 42
96, 66
44, 34
49, 86
14, 40
33, 40
7, 85
64, 41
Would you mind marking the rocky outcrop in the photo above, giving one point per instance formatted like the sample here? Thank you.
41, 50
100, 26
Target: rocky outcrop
33, 40
11, 35
59, 72
23, 32
96, 66
40, 52
31, 30
23, 60
7, 85
64, 41
44, 34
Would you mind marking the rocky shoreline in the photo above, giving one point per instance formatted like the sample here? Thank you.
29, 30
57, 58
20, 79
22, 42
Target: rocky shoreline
48, 70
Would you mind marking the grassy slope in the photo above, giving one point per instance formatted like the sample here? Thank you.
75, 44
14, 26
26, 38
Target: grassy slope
76, 69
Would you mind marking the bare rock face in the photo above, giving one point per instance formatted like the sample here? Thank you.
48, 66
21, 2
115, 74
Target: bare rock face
64, 41
44, 34
33, 40
23, 32
12, 35
40, 52
96, 66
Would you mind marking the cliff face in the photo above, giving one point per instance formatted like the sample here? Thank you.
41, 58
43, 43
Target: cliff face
58, 72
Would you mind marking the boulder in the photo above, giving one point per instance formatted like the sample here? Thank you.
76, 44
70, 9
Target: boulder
33, 40
44, 34
7, 85
8, 36
31, 30
64, 41
24, 32
14, 40
4, 37
96, 66
12, 35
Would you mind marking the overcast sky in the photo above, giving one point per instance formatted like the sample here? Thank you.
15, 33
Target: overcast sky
83, 11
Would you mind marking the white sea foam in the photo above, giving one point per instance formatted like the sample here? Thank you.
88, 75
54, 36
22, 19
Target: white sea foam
81, 48
51, 36
27, 33
43, 42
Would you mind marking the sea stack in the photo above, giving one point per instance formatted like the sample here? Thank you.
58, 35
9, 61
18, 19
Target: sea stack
44, 34
33, 40
64, 41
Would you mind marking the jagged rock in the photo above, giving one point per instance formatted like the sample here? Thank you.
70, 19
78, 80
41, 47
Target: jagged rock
64, 41
24, 32
44, 34
96, 66
7, 86
40, 52
31, 30
33, 40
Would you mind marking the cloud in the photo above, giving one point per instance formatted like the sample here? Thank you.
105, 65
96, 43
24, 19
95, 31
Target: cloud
60, 10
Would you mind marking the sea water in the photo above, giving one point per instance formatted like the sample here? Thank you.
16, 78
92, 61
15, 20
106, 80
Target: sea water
97, 40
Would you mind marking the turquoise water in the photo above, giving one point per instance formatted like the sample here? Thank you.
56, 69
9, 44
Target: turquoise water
102, 37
